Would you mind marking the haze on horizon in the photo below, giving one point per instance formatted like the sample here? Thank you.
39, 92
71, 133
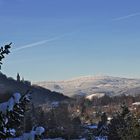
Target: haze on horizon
57, 40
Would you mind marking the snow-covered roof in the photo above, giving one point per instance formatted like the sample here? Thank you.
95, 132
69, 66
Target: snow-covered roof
136, 103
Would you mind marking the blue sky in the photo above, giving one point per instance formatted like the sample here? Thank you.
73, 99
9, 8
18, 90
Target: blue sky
61, 39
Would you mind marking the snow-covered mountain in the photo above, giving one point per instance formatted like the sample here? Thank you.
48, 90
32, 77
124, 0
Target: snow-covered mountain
89, 85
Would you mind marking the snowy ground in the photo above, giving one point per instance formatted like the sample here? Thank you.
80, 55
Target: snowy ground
97, 138
22, 139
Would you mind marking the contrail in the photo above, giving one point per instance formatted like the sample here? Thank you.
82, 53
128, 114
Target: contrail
127, 16
33, 44
39, 43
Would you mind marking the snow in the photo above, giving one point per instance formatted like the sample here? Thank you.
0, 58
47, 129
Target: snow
96, 95
94, 84
28, 97
9, 105
29, 138
14, 138
39, 130
101, 138
136, 104
55, 104
17, 97
12, 132
109, 118
92, 126
22, 138
55, 139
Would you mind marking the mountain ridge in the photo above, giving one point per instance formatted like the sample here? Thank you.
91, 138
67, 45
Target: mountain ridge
93, 84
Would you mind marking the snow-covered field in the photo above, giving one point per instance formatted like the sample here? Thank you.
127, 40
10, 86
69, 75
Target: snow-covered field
89, 85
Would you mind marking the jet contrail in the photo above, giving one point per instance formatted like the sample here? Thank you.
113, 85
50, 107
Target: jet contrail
34, 44
126, 17
39, 42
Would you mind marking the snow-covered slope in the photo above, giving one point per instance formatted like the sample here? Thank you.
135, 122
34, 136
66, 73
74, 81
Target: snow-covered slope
96, 95
89, 85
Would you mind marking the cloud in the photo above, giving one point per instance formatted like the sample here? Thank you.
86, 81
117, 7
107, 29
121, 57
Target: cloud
126, 17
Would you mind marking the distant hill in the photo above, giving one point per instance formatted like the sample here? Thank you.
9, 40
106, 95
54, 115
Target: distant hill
89, 85
40, 95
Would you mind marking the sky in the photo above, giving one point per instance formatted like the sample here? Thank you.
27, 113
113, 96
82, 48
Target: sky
62, 39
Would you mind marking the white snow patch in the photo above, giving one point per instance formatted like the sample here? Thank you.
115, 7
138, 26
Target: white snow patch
9, 105
136, 104
95, 95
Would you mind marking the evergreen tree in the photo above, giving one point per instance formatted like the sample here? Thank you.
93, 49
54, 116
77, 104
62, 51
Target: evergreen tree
102, 125
124, 126
11, 121
4, 51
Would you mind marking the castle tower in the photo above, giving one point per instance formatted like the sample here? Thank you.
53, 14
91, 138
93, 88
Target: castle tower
18, 77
